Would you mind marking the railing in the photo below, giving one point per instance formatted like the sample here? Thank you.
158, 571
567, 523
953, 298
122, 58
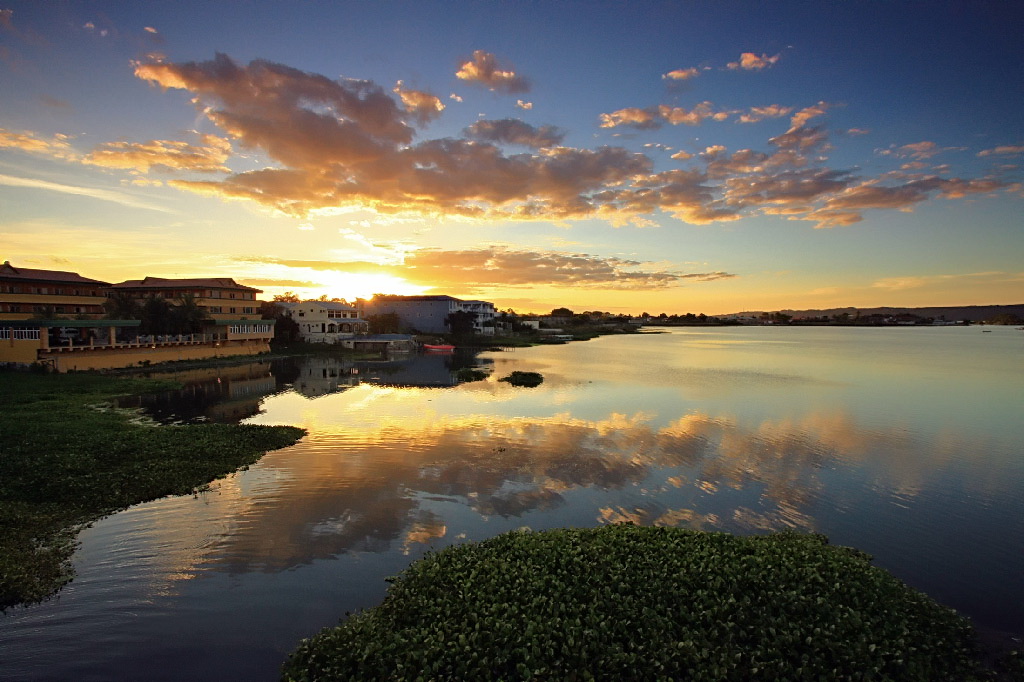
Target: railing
7, 333
143, 341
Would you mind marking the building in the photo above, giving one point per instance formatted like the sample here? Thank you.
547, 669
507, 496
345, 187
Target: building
428, 314
324, 321
219, 298
26, 292
229, 310
53, 318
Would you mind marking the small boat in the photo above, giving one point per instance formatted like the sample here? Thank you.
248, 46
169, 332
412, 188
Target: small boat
442, 347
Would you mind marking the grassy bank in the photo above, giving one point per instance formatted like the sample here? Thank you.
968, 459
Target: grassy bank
66, 460
625, 602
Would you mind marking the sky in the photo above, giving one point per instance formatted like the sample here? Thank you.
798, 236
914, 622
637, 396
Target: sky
628, 157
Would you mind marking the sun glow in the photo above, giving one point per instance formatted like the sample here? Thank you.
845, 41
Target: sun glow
350, 286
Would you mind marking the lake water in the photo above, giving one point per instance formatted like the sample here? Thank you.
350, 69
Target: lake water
907, 443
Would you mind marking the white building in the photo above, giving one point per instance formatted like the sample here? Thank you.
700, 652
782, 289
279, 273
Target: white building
427, 314
325, 321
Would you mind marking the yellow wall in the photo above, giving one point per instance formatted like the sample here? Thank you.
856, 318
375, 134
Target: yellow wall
109, 358
18, 350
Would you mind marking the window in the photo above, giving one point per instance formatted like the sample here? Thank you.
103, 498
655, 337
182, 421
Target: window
231, 310
216, 309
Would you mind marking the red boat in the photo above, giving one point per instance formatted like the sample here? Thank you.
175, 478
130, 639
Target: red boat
442, 347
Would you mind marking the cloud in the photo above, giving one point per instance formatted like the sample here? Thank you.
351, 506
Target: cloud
915, 282
524, 105
454, 97
6, 15
342, 145
1005, 150
749, 61
801, 117
654, 117
512, 131
163, 155
423, 106
757, 114
682, 74
57, 146
472, 269
92, 192
483, 68
150, 29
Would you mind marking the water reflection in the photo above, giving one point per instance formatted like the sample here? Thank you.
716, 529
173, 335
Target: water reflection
905, 444
229, 394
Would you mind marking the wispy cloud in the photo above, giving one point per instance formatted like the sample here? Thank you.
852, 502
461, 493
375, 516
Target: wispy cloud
1004, 150
654, 117
57, 146
472, 269
91, 192
209, 157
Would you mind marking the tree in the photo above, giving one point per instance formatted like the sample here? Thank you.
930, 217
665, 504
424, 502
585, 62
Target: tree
187, 316
156, 315
562, 312
384, 323
287, 297
460, 324
121, 305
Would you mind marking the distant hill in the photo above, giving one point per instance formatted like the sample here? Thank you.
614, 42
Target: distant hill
974, 313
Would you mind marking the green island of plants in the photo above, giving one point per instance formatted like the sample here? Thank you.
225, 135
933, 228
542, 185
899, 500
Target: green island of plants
67, 459
528, 379
626, 602
468, 374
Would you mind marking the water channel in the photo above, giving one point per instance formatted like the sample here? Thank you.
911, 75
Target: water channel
906, 443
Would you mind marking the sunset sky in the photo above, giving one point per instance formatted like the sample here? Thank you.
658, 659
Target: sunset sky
623, 156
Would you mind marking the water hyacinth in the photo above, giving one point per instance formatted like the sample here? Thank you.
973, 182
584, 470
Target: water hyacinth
627, 602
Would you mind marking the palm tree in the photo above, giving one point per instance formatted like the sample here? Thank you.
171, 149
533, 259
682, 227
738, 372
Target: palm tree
187, 317
156, 315
121, 305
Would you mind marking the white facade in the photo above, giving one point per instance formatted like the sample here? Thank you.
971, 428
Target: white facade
427, 314
325, 321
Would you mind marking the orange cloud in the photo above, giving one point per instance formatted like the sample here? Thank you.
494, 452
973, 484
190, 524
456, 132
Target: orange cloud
483, 68
335, 144
57, 146
423, 106
471, 269
749, 61
801, 117
757, 114
654, 117
682, 74
163, 154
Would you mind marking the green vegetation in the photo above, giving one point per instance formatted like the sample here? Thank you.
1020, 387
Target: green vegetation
528, 379
470, 374
68, 459
626, 602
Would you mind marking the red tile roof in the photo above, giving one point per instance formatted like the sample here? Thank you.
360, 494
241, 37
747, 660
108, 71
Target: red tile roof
8, 271
197, 282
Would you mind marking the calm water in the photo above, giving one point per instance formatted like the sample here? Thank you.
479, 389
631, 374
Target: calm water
906, 443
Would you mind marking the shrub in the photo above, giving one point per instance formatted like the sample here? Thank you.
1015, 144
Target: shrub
470, 374
625, 602
528, 379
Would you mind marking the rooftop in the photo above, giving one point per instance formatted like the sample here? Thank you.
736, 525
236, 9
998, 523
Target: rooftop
163, 283
8, 271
